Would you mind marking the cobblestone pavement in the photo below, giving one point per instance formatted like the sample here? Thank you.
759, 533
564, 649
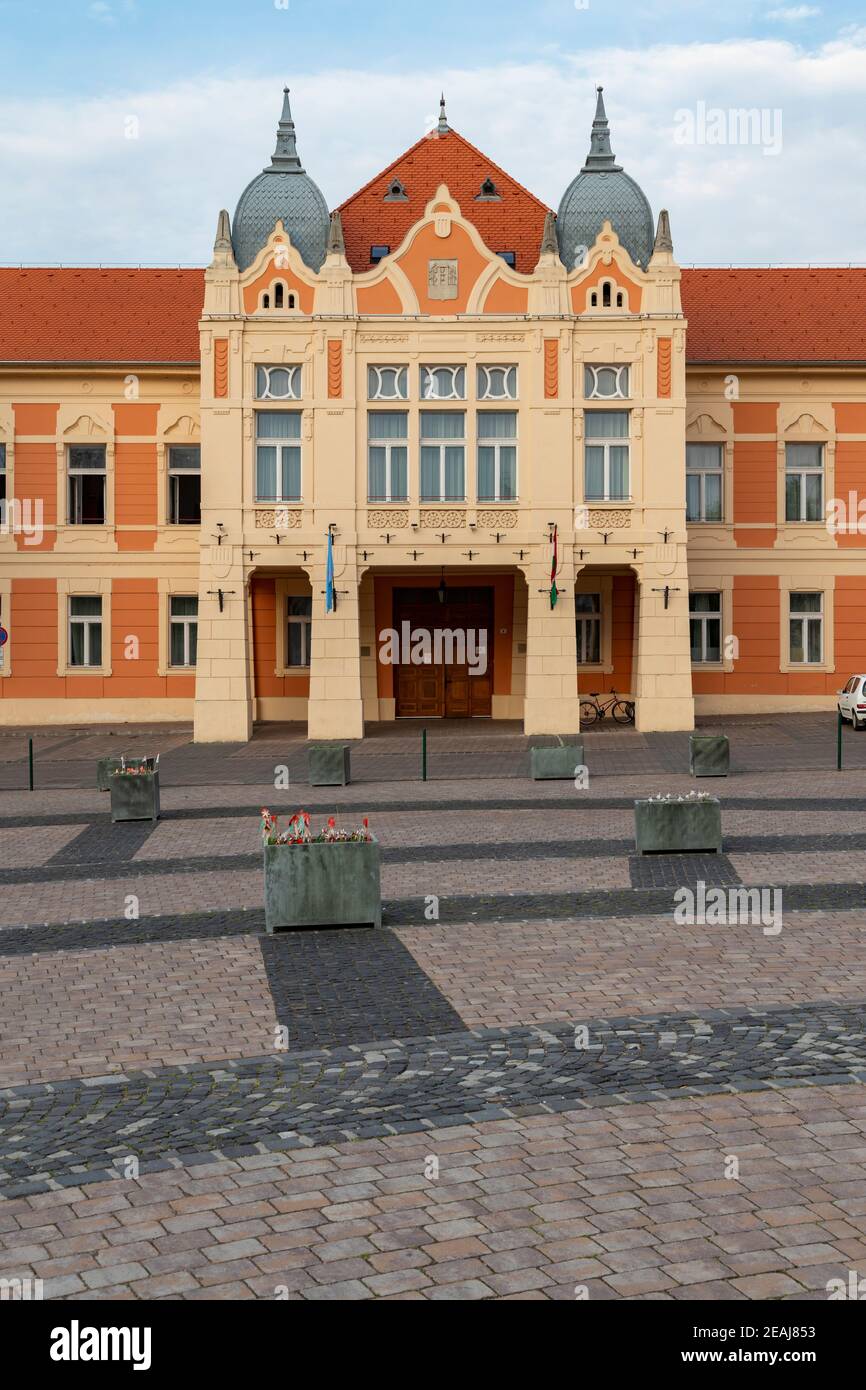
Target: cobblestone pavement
627, 1202
282, 1095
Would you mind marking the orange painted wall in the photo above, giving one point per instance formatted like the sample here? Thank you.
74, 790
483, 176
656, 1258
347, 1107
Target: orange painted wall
622, 637
503, 298
379, 299
32, 623
755, 468
264, 605
612, 272
135, 476
428, 247
851, 470
36, 468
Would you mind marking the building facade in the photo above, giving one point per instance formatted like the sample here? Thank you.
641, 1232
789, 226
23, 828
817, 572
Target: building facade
438, 454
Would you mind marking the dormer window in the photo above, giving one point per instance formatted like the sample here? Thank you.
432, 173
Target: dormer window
509, 257
489, 192
378, 253
397, 193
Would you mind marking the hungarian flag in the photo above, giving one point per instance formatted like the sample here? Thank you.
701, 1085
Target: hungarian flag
554, 567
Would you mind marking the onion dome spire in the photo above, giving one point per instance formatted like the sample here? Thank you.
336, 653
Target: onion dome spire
600, 155
285, 158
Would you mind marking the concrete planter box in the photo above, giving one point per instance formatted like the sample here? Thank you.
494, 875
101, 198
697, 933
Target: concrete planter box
105, 767
557, 764
709, 755
322, 885
135, 798
330, 765
678, 827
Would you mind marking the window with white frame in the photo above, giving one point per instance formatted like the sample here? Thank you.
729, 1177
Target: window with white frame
704, 475
387, 456
804, 482
705, 624
86, 484
183, 630
184, 485
497, 455
443, 456
443, 383
807, 629
85, 631
388, 383
497, 383
278, 383
588, 609
606, 383
299, 630
606, 460
278, 456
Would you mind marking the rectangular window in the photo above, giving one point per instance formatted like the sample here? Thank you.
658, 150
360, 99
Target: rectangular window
588, 607
497, 455
804, 482
183, 631
497, 383
278, 456
387, 456
443, 383
605, 383
388, 383
86, 468
278, 383
705, 620
443, 456
704, 482
807, 629
606, 463
299, 631
85, 631
184, 486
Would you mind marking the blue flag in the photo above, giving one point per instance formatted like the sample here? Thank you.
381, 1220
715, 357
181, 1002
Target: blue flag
331, 606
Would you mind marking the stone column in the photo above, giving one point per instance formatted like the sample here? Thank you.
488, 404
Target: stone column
664, 669
336, 709
223, 698
552, 704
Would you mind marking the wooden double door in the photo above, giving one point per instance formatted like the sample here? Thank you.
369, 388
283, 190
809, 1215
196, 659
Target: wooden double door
446, 688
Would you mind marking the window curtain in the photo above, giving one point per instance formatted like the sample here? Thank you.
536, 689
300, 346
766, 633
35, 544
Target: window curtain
607, 424
497, 424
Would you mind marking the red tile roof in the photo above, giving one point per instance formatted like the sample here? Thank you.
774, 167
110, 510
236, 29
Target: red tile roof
139, 316
515, 223
775, 315
65, 315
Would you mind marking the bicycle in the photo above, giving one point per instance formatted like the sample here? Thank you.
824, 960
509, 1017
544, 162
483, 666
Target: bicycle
591, 711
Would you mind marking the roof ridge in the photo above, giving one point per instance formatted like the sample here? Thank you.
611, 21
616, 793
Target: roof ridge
423, 141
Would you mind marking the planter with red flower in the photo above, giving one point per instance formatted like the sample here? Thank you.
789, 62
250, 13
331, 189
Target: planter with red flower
135, 790
331, 879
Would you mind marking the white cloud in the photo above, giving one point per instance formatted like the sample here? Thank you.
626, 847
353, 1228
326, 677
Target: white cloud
78, 190
793, 14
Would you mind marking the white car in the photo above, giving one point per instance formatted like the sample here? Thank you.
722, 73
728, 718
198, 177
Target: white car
852, 701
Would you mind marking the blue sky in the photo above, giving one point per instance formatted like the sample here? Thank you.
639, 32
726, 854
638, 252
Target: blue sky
202, 80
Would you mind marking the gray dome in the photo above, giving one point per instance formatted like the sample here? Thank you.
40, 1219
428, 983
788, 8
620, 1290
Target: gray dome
286, 192
603, 192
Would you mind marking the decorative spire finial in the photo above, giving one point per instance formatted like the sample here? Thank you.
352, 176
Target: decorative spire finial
223, 239
336, 240
549, 242
664, 241
600, 155
444, 127
285, 160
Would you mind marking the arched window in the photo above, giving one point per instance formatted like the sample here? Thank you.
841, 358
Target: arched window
619, 300
266, 301
278, 296
593, 300
605, 295
292, 303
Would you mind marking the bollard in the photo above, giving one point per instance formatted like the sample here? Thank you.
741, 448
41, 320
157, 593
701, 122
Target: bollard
30, 760
423, 755
839, 744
